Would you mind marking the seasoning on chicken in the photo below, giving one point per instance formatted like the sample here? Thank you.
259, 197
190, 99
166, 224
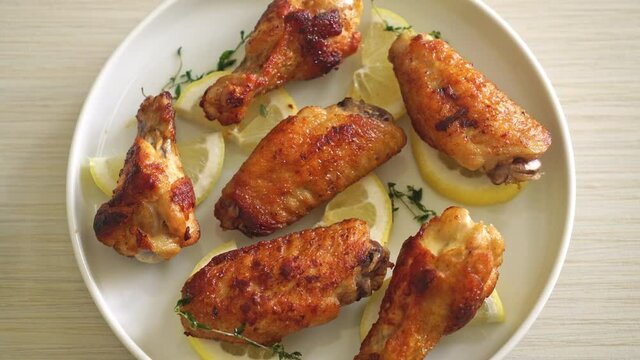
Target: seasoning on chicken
274, 288
293, 40
442, 276
151, 214
304, 161
457, 110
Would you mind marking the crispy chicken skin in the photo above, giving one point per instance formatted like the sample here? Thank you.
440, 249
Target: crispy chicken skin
293, 40
442, 276
151, 214
457, 110
305, 160
277, 287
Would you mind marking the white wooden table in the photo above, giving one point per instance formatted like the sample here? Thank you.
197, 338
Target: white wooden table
51, 51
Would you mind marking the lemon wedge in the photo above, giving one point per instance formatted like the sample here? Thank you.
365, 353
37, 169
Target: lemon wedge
265, 112
452, 181
219, 350
105, 172
188, 104
202, 162
367, 200
220, 249
263, 115
377, 41
375, 82
377, 85
491, 310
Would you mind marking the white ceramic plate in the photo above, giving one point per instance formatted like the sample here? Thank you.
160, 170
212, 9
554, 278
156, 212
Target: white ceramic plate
137, 300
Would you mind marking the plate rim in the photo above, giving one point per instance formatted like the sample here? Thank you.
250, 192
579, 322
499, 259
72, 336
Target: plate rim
521, 330
554, 275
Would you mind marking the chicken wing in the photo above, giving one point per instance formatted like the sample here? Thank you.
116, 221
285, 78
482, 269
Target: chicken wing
274, 288
457, 110
442, 276
293, 40
305, 160
151, 214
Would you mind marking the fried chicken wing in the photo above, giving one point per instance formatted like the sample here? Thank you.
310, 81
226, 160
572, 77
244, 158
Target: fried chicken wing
457, 110
277, 287
442, 276
305, 160
293, 40
151, 214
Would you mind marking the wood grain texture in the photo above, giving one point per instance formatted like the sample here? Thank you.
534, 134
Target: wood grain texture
51, 51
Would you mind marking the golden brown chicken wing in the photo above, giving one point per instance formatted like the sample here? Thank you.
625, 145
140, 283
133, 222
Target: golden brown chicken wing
293, 40
151, 214
305, 160
274, 288
442, 276
458, 111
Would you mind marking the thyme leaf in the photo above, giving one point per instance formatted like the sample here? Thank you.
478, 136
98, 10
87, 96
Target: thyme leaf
388, 27
436, 34
226, 58
179, 79
264, 112
277, 348
412, 200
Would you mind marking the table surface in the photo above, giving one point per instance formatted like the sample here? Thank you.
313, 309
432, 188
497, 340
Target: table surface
51, 52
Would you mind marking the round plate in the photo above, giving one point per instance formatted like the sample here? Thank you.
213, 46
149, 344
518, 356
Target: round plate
137, 299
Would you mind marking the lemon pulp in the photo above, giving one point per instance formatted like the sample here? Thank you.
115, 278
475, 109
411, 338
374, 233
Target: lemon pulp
265, 112
367, 199
450, 180
201, 160
375, 82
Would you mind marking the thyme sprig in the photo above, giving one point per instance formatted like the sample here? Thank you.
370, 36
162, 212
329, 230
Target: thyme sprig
237, 333
226, 58
412, 199
181, 78
436, 34
388, 27
264, 112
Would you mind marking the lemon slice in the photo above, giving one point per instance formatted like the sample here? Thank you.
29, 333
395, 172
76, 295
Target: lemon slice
375, 82
105, 172
491, 310
367, 200
377, 85
458, 184
202, 162
218, 350
220, 249
264, 113
188, 104
377, 41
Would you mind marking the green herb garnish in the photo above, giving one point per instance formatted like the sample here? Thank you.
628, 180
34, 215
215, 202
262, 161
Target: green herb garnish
436, 34
388, 27
276, 348
264, 112
414, 198
226, 59
396, 29
178, 79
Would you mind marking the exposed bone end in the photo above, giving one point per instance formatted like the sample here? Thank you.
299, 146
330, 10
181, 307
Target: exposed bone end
148, 257
519, 170
360, 107
373, 270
